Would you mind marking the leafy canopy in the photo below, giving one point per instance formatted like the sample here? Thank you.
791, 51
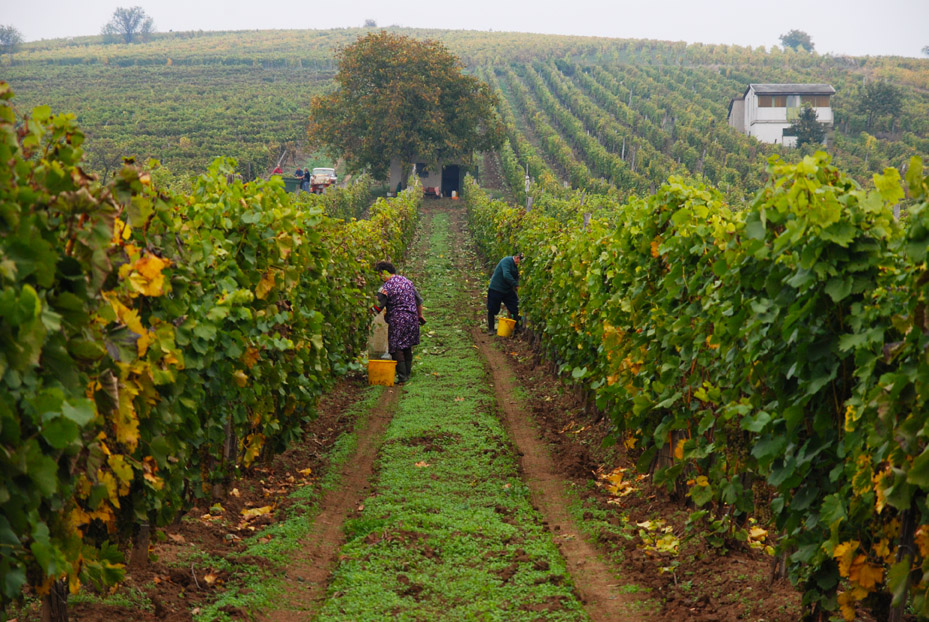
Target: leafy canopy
807, 129
880, 99
10, 38
130, 25
797, 39
403, 98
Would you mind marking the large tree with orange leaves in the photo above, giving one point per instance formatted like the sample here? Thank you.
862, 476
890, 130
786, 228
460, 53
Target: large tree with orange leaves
404, 98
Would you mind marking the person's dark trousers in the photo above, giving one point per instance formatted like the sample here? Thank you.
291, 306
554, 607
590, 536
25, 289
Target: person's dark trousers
495, 299
404, 360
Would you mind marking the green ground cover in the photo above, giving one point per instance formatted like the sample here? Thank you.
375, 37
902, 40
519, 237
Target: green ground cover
450, 532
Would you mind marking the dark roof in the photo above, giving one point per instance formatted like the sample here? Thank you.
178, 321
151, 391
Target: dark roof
793, 89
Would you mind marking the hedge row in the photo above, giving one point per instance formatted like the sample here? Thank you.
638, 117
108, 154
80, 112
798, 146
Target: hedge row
785, 342
152, 345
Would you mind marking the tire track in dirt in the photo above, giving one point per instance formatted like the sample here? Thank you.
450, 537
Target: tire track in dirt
308, 573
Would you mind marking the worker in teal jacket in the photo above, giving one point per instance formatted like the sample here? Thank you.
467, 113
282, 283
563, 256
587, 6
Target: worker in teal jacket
502, 289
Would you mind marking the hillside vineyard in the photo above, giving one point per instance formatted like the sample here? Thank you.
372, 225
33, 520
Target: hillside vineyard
751, 319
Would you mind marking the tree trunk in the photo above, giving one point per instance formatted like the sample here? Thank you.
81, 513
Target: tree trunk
139, 556
55, 603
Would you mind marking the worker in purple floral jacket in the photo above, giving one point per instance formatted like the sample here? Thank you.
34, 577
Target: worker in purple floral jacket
403, 313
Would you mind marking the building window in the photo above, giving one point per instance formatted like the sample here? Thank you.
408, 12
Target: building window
780, 101
822, 101
765, 101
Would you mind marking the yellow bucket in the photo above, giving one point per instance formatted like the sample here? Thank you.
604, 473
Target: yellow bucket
381, 371
505, 327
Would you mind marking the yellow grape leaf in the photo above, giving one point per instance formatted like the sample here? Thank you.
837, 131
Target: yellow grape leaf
123, 472
129, 317
112, 487
209, 578
146, 277
241, 378
630, 442
702, 480
255, 512
253, 449
679, 450
144, 340
844, 553
882, 550
865, 574
156, 482
126, 421
121, 231
922, 540
847, 606
757, 534
250, 357
305, 471
880, 500
264, 285
150, 266
149, 468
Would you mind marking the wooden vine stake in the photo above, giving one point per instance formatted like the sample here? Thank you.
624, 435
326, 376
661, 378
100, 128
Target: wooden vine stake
55, 603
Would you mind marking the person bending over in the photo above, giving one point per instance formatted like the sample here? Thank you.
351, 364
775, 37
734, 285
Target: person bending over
403, 312
502, 289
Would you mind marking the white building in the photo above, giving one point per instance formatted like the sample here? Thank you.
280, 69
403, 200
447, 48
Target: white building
766, 110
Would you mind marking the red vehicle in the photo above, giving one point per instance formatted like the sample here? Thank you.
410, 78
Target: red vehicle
322, 178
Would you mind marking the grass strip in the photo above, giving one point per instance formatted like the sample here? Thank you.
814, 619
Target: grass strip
450, 533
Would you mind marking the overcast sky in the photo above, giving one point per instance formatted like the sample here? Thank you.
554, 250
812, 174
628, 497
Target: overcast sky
856, 27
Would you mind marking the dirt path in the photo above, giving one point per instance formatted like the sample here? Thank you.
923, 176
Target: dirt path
306, 579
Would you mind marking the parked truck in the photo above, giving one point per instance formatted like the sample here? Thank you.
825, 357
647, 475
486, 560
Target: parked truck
322, 178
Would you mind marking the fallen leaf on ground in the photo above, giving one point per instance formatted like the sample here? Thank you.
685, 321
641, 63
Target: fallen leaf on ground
253, 512
422, 464
305, 471
235, 492
176, 537
210, 578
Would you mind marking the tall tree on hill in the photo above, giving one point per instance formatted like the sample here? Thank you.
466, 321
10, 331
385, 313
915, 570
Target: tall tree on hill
926, 50
406, 99
797, 39
130, 25
879, 99
10, 39
807, 129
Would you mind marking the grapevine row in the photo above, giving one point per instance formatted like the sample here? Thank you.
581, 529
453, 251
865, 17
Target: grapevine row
783, 341
153, 345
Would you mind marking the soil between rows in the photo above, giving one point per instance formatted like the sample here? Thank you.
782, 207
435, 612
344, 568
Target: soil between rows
706, 586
